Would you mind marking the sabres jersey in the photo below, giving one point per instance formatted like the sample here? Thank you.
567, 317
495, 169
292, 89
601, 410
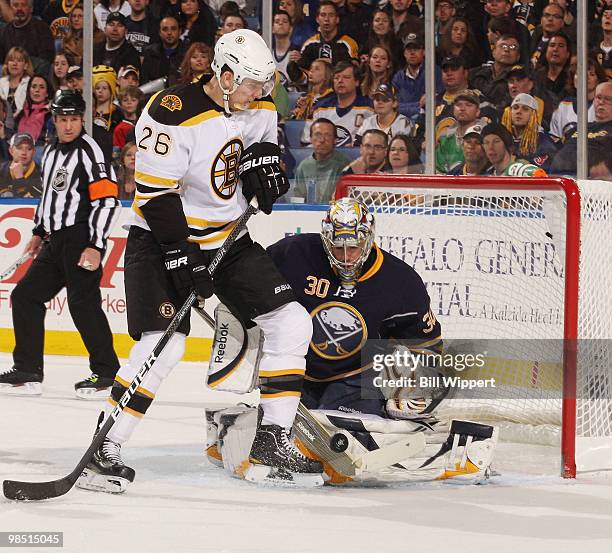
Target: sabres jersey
389, 301
189, 149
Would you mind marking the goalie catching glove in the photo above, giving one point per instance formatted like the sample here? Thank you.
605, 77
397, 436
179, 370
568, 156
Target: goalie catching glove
262, 175
185, 262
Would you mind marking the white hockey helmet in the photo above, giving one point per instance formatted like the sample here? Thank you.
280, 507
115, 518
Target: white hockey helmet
248, 56
348, 224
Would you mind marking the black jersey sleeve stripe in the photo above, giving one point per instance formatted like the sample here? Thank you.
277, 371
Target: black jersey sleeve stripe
166, 218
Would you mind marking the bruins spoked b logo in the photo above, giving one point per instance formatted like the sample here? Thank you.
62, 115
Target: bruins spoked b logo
224, 172
339, 330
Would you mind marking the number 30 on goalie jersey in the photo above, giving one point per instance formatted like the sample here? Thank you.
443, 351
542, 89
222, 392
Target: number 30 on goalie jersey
389, 301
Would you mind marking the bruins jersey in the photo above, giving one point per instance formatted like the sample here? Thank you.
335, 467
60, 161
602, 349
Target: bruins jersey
187, 160
389, 301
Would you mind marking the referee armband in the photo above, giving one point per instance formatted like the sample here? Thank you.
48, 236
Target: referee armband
103, 188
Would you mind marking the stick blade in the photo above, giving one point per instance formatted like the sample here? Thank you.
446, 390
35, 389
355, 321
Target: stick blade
36, 491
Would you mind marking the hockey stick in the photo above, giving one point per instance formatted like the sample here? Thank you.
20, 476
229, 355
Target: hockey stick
34, 491
14, 266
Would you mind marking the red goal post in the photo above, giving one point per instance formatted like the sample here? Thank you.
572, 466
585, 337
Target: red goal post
512, 247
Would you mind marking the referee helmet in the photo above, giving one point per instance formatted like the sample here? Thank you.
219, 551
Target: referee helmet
68, 102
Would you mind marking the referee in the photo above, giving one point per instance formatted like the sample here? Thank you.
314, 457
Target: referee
75, 216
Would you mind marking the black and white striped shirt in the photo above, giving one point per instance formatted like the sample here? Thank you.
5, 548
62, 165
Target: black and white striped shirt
78, 187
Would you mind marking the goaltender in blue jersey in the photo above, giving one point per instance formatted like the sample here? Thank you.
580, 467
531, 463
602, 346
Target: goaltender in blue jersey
354, 291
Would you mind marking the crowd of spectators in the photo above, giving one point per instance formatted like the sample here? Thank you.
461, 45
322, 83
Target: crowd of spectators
350, 90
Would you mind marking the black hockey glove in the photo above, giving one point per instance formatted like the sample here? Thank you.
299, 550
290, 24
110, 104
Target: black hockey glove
262, 175
185, 262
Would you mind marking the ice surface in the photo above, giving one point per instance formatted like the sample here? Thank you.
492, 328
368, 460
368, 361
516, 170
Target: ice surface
181, 503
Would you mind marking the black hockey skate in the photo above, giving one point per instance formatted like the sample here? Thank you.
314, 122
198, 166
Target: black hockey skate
93, 387
274, 458
106, 472
21, 383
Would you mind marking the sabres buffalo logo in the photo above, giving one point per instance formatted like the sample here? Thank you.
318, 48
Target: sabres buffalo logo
224, 171
339, 330
171, 102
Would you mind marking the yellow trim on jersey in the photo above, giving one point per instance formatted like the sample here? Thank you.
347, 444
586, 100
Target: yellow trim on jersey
281, 394
375, 267
195, 222
152, 99
350, 43
145, 178
215, 237
200, 118
137, 210
262, 104
286, 372
140, 390
433, 341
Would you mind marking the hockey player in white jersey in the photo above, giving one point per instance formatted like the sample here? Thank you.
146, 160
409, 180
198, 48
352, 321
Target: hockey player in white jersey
204, 150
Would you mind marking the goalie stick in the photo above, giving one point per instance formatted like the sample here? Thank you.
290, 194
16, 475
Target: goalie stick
14, 266
35, 491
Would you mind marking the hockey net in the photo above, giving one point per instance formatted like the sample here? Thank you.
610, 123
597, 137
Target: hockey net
520, 269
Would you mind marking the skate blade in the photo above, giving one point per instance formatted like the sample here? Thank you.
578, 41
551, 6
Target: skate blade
262, 474
92, 394
27, 389
93, 481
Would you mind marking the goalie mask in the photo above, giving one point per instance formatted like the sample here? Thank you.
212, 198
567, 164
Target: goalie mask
348, 236
250, 60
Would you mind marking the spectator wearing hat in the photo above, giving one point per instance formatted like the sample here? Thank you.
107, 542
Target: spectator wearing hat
105, 7
141, 25
458, 40
520, 81
163, 59
454, 81
475, 161
106, 115
323, 167
492, 80
328, 43
386, 118
565, 117
346, 108
20, 177
404, 23
372, 154
466, 113
599, 133
603, 51
410, 81
127, 76
29, 33
530, 141
498, 145
74, 78
116, 51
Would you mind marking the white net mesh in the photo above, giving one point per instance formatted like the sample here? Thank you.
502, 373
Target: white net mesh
493, 263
